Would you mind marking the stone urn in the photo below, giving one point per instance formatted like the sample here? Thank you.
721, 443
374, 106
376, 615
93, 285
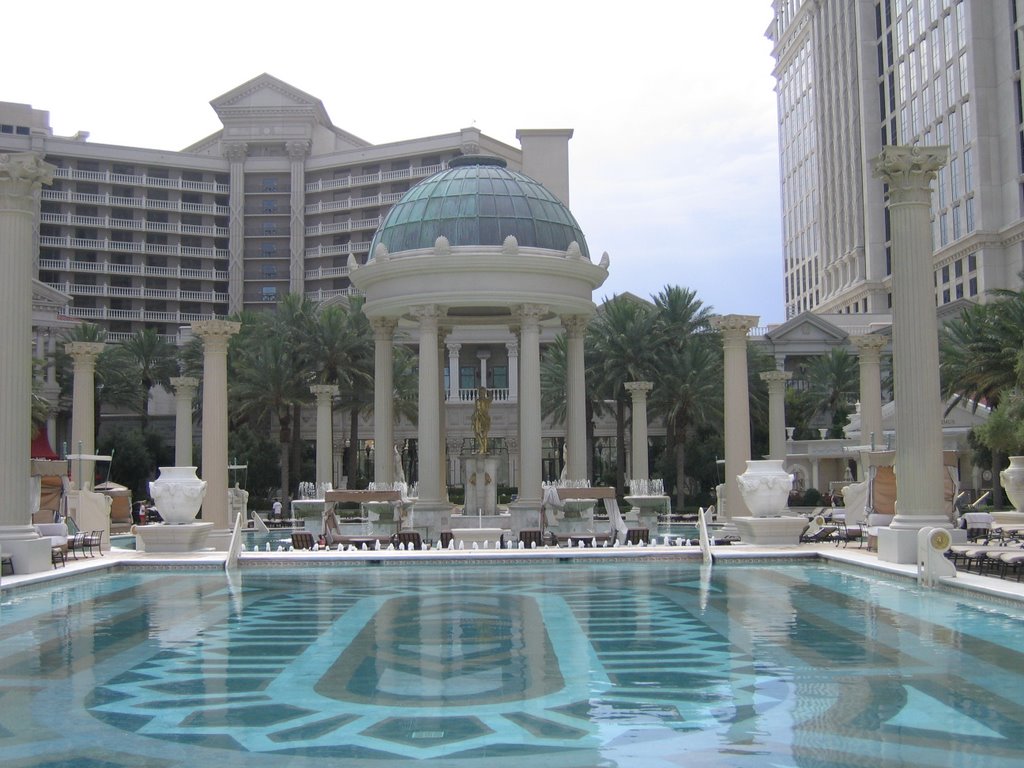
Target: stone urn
765, 487
178, 494
1012, 479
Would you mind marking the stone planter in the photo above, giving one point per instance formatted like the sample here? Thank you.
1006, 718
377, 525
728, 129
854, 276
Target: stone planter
765, 487
178, 494
1013, 481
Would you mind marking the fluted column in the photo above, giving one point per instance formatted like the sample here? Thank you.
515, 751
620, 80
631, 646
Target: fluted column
297, 151
21, 177
638, 392
429, 427
235, 153
184, 392
453, 372
383, 395
529, 403
575, 398
909, 171
324, 437
512, 347
215, 335
83, 408
776, 381
734, 330
870, 348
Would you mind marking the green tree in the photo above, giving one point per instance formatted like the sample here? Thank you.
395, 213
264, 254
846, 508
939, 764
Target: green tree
626, 349
834, 382
138, 364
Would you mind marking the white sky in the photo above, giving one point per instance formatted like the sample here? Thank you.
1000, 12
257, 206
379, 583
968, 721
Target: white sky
674, 161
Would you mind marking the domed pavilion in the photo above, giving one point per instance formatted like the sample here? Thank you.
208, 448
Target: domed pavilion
478, 245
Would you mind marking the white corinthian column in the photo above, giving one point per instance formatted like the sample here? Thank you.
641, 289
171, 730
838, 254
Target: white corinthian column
383, 396
83, 408
734, 330
638, 391
215, 335
184, 391
324, 439
21, 177
870, 348
908, 172
776, 381
576, 397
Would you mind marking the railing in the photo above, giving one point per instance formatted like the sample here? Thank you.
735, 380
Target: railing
469, 395
69, 265
141, 180
131, 292
323, 273
140, 315
140, 225
132, 202
121, 246
337, 250
115, 337
331, 293
325, 185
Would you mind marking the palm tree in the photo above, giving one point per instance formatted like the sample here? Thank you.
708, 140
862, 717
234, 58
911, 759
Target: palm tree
834, 380
626, 349
141, 362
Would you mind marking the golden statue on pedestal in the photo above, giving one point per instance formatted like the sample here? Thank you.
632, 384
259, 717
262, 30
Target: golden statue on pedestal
482, 418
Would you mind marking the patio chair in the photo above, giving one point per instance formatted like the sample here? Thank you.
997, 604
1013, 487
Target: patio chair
302, 540
531, 538
818, 530
638, 535
408, 540
94, 542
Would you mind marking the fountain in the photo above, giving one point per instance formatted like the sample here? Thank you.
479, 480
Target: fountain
649, 499
177, 494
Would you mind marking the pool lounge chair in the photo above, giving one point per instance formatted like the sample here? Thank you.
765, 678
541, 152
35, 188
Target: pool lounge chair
818, 530
302, 540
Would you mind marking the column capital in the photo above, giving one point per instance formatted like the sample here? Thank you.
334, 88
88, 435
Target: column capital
775, 377
21, 176
512, 347
734, 325
84, 351
638, 389
324, 392
209, 330
428, 315
235, 151
531, 314
909, 170
870, 345
297, 150
453, 347
383, 328
185, 386
574, 325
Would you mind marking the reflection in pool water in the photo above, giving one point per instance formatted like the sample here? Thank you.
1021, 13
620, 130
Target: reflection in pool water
655, 664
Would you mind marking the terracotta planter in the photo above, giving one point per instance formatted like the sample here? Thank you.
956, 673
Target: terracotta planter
765, 487
178, 494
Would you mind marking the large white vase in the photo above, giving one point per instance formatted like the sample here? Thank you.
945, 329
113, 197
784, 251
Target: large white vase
765, 487
1013, 482
178, 494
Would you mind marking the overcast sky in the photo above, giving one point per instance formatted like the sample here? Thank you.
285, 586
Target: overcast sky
674, 161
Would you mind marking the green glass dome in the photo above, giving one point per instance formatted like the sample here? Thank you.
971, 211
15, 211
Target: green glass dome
478, 201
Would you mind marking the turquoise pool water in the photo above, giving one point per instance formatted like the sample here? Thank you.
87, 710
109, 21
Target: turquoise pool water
656, 664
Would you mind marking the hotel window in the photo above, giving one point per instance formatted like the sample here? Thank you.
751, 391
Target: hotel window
972, 286
268, 249
943, 232
969, 213
499, 377
972, 262
956, 222
945, 274
269, 184
958, 268
270, 206
269, 228
269, 293
467, 377
959, 290
945, 296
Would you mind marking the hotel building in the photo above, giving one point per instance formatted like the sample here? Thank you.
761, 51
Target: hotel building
856, 75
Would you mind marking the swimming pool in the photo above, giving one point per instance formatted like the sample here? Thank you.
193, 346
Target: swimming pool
653, 664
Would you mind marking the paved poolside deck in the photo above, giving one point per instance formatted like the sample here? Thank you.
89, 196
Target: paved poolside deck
113, 558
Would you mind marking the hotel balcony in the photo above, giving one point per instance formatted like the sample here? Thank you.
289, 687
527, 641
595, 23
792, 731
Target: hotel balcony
342, 226
326, 185
121, 292
349, 203
139, 225
338, 250
106, 267
324, 273
66, 196
141, 181
119, 246
139, 315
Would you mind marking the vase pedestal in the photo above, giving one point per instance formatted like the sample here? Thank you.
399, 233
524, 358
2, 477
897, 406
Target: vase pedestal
770, 531
161, 537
